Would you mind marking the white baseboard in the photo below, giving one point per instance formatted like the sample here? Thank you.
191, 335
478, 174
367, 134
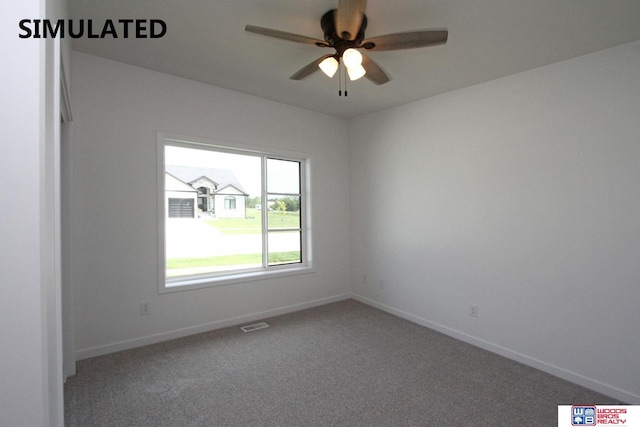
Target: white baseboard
573, 377
192, 330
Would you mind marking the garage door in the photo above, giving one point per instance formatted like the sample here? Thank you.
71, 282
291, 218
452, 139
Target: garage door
181, 208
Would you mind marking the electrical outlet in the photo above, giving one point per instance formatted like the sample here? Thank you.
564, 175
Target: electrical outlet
145, 308
473, 310
381, 284
364, 279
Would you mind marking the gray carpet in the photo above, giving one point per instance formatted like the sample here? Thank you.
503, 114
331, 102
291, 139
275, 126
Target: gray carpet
342, 364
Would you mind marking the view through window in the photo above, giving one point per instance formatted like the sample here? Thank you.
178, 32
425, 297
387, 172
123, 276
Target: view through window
229, 212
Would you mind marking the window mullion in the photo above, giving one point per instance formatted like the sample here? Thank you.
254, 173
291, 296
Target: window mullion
303, 213
265, 215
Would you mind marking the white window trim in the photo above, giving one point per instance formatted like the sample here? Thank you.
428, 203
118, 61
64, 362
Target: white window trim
221, 278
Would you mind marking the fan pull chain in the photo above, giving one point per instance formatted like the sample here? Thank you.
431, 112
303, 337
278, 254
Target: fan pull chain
342, 73
340, 78
345, 81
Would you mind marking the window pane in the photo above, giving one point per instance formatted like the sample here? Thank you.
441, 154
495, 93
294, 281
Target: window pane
229, 202
284, 247
284, 212
211, 221
283, 176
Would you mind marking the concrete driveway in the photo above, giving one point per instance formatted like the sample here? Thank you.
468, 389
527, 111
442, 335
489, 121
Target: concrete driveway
194, 238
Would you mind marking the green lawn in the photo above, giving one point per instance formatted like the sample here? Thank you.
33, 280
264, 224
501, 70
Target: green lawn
253, 221
216, 261
226, 260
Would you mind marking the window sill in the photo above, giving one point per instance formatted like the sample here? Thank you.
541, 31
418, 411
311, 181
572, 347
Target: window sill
195, 282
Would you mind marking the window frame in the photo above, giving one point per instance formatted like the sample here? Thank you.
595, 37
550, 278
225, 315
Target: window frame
223, 278
230, 203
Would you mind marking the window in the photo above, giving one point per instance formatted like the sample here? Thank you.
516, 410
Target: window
229, 215
229, 202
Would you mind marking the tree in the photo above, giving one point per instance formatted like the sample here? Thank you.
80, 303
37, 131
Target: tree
293, 205
253, 201
280, 206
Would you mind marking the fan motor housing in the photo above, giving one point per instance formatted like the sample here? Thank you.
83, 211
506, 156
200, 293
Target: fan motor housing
328, 24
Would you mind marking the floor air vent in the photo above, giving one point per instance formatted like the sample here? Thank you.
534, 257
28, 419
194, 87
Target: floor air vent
254, 327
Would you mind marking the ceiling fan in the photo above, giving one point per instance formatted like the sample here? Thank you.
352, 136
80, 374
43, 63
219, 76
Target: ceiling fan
344, 29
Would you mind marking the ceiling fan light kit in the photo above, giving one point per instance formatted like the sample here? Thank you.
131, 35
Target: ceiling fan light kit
343, 30
352, 58
356, 72
329, 66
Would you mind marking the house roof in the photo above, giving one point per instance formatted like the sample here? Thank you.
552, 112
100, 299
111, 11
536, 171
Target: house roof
171, 183
220, 177
230, 190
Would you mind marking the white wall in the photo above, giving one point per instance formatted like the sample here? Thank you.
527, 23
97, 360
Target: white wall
521, 195
523, 199
117, 111
30, 307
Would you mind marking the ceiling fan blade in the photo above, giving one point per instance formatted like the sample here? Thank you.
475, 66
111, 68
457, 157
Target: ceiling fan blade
308, 69
408, 40
285, 36
349, 18
374, 72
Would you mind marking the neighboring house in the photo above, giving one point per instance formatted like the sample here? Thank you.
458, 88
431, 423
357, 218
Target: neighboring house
180, 198
215, 191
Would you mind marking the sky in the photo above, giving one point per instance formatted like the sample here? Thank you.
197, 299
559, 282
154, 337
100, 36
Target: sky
283, 175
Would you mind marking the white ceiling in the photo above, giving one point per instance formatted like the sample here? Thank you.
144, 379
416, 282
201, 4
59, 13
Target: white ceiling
488, 39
